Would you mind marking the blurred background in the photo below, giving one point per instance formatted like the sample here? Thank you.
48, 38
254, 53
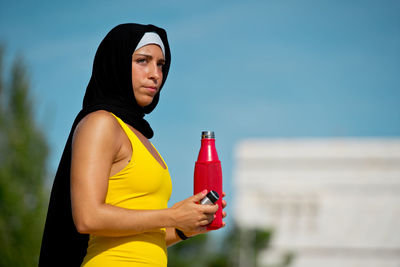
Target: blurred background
288, 87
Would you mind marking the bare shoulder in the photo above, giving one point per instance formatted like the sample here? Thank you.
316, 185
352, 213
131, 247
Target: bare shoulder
98, 125
98, 120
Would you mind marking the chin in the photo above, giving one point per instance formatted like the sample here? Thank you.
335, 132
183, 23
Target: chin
145, 102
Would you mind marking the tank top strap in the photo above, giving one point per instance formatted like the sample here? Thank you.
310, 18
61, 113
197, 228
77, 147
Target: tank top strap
135, 141
131, 136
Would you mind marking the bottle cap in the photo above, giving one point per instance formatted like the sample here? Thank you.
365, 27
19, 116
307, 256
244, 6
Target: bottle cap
213, 196
207, 134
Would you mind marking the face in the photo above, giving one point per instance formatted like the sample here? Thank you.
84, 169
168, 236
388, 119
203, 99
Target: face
147, 76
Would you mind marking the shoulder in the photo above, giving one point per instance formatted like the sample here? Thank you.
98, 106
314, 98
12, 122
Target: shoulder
99, 125
98, 120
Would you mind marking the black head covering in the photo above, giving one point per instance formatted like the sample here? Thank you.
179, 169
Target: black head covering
109, 88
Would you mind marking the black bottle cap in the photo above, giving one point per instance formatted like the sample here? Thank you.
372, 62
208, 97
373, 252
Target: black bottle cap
213, 196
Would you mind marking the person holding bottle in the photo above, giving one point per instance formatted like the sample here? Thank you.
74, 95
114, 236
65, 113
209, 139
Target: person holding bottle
108, 205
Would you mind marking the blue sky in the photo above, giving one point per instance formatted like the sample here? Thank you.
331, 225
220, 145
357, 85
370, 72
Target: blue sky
245, 69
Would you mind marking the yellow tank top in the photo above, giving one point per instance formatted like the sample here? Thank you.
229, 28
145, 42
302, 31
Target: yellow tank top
142, 184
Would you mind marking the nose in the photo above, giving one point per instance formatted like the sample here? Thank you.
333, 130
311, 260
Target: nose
155, 72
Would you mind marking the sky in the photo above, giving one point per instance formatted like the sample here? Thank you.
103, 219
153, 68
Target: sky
244, 69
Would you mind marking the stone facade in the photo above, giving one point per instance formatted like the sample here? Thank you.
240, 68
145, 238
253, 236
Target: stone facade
332, 202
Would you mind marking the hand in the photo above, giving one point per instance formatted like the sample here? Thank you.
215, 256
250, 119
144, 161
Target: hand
204, 230
191, 217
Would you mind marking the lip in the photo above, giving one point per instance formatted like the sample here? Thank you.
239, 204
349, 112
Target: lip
151, 88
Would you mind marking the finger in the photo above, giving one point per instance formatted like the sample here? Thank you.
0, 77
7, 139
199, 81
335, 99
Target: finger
209, 209
199, 196
211, 218
223, 194
205, 222
202, 230
223, 204
223, 214
207, 218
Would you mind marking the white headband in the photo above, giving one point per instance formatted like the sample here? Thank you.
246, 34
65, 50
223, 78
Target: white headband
151, 38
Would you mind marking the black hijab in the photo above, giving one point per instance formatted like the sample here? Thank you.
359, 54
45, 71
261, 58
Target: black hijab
109, 88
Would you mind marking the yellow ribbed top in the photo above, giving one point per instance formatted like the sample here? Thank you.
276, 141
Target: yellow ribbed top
142, 184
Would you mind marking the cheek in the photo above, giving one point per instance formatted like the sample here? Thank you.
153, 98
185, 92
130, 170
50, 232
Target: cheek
133, 73
136, 75
161, 78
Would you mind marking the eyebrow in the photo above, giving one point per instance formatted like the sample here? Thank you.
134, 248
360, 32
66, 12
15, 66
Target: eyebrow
148, 56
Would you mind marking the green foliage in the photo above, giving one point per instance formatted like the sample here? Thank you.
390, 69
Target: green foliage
200, 251
23, 155
189, 252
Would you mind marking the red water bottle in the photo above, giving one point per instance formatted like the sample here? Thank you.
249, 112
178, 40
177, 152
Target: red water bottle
208, 174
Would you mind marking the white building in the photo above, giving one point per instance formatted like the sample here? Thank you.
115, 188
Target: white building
333, 202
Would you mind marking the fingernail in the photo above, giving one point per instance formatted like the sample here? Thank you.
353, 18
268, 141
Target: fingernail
204, 191
215, 216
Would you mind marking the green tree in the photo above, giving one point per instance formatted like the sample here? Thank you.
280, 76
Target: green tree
247, 243
23, 155
190, 252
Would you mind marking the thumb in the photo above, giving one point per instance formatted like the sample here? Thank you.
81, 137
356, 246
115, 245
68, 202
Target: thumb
199, 196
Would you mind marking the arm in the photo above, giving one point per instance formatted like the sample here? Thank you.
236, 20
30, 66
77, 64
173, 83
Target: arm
95, 147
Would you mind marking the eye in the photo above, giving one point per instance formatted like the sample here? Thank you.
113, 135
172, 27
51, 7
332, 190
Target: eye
141, 60
160, 64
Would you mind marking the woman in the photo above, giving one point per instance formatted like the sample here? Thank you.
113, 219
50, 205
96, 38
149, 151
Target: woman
108, 205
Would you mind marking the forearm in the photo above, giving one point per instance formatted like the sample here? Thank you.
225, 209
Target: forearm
108, 220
